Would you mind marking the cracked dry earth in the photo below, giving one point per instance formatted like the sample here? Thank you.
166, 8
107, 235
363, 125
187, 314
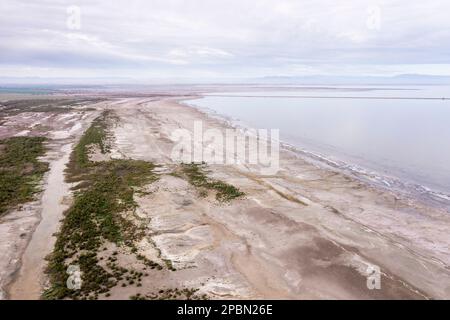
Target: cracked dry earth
305, 232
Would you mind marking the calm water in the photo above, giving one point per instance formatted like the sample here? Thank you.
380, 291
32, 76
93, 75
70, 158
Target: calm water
405, 139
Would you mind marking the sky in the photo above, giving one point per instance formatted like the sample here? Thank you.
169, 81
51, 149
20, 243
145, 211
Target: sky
223, 39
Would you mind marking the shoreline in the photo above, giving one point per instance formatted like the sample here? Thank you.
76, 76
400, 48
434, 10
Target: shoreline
325, 164
403, 187
408, 201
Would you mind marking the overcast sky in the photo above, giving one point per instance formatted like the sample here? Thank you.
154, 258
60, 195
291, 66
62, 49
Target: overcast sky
169, 39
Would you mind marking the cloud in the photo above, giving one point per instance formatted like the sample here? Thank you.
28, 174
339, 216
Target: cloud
234, 38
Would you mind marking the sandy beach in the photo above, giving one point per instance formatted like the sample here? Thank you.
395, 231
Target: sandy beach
304, 232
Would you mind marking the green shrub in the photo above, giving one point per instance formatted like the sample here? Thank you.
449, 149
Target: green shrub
20, 170
95, 216
197, 177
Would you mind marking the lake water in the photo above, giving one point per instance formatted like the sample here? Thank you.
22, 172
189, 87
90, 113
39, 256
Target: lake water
376, 128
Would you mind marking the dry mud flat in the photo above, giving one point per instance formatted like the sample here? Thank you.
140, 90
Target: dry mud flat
305, 232
302, 233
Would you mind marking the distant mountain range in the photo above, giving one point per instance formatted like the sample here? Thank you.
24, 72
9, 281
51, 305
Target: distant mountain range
400, 79
405, 79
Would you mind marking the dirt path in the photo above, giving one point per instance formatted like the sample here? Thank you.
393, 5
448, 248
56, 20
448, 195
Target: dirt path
31, 278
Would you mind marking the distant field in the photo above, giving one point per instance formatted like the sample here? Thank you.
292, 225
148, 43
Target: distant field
35, 91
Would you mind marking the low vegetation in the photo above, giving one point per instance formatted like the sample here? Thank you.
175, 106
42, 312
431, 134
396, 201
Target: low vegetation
171, 294
14, 107
95, 135
97, 218
100, 231
195, 174
20, 170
